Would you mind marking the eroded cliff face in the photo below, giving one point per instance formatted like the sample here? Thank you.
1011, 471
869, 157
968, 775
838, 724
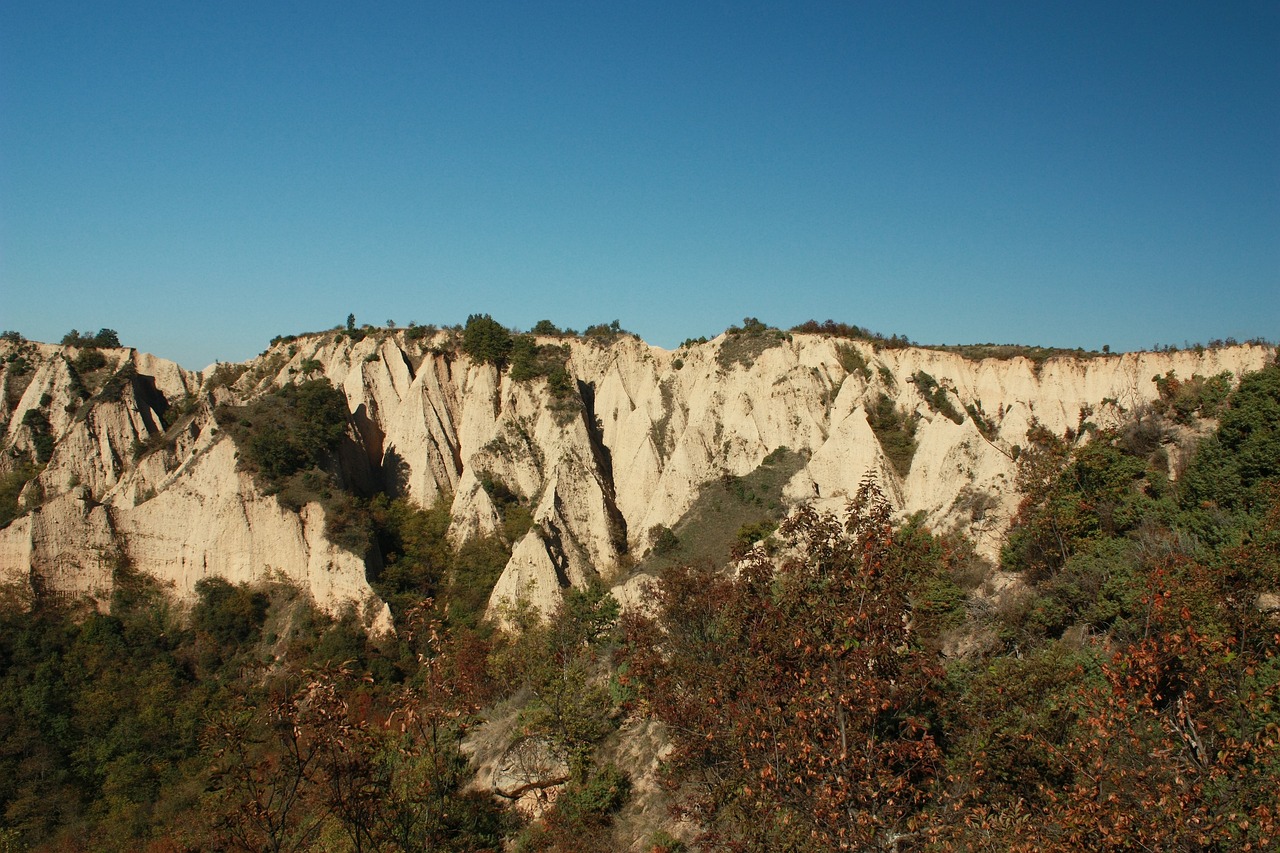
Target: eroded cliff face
139, 473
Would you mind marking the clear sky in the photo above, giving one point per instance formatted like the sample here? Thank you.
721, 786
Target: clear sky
203, 176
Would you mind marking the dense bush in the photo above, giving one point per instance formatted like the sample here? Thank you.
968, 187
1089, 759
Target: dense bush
11, 486
664, 540
1100, 491
41, 434
936, 396
895, 431
1195, 397
798, 701
546, 328
530, 360
604, 333
239, 727
89, 360
291, 429
744, 344
419, 563
1233, 476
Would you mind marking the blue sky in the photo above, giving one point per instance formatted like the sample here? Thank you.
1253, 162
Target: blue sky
204, 176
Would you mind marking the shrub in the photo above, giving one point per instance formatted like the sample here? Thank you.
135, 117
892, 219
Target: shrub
232, 615
857, 333
11, 485
664, 540
561, 384
853, 361
895, 431
604, 333
288, 430
1194, 397
936, 396
750, 326
89, 360
980, 420
750, 534
529, 361
41, 434
744, 345
348, 524
1236, 468
416, 554
417, 333
834, 329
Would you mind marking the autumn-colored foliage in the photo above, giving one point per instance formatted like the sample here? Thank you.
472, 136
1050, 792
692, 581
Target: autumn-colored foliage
851, 686
798, 700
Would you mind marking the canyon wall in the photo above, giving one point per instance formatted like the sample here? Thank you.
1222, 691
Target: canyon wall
134, 470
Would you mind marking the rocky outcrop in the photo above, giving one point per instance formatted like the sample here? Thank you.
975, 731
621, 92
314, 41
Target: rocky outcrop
139, 471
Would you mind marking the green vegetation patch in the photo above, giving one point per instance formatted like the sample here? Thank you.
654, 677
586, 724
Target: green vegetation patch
729, 514
831, 328
104, 338
853, 361
1185, 400
89, 360
1037, 355
41, 434
984, 424
605, 334
1235, 476
11, 485
291, 429
486, 340
420, 564
896, 432
531, 360
744, 344
288, 441
936, 396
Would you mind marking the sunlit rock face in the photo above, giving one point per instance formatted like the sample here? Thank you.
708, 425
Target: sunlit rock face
640, 434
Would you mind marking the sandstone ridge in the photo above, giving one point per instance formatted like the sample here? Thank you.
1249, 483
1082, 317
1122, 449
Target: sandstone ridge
133, 470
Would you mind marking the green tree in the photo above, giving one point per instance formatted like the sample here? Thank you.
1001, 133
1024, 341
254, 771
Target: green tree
486, 340
560, 662
106, 338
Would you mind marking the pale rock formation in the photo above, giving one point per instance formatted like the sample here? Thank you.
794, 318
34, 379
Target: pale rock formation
646, 431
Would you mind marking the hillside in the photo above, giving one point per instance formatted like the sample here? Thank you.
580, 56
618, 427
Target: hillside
131, 466
467, 590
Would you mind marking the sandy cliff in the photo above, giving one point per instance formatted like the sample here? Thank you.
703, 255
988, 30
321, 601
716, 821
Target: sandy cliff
644, 432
